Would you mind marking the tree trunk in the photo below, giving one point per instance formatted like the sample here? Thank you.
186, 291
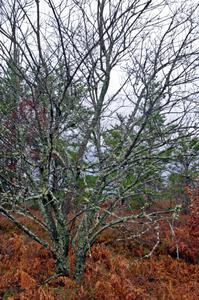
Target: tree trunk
80, 260
186, 204
62, 264
61, 249
81, 249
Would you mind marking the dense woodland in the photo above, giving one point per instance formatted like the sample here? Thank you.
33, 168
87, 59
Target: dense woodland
99, 147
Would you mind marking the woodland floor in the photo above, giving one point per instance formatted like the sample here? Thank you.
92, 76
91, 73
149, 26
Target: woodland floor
114, 270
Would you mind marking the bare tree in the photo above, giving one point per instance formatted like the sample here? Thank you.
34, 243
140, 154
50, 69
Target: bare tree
63, 56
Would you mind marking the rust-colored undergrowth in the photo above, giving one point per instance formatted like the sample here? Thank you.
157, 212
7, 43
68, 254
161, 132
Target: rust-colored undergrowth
113, 271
